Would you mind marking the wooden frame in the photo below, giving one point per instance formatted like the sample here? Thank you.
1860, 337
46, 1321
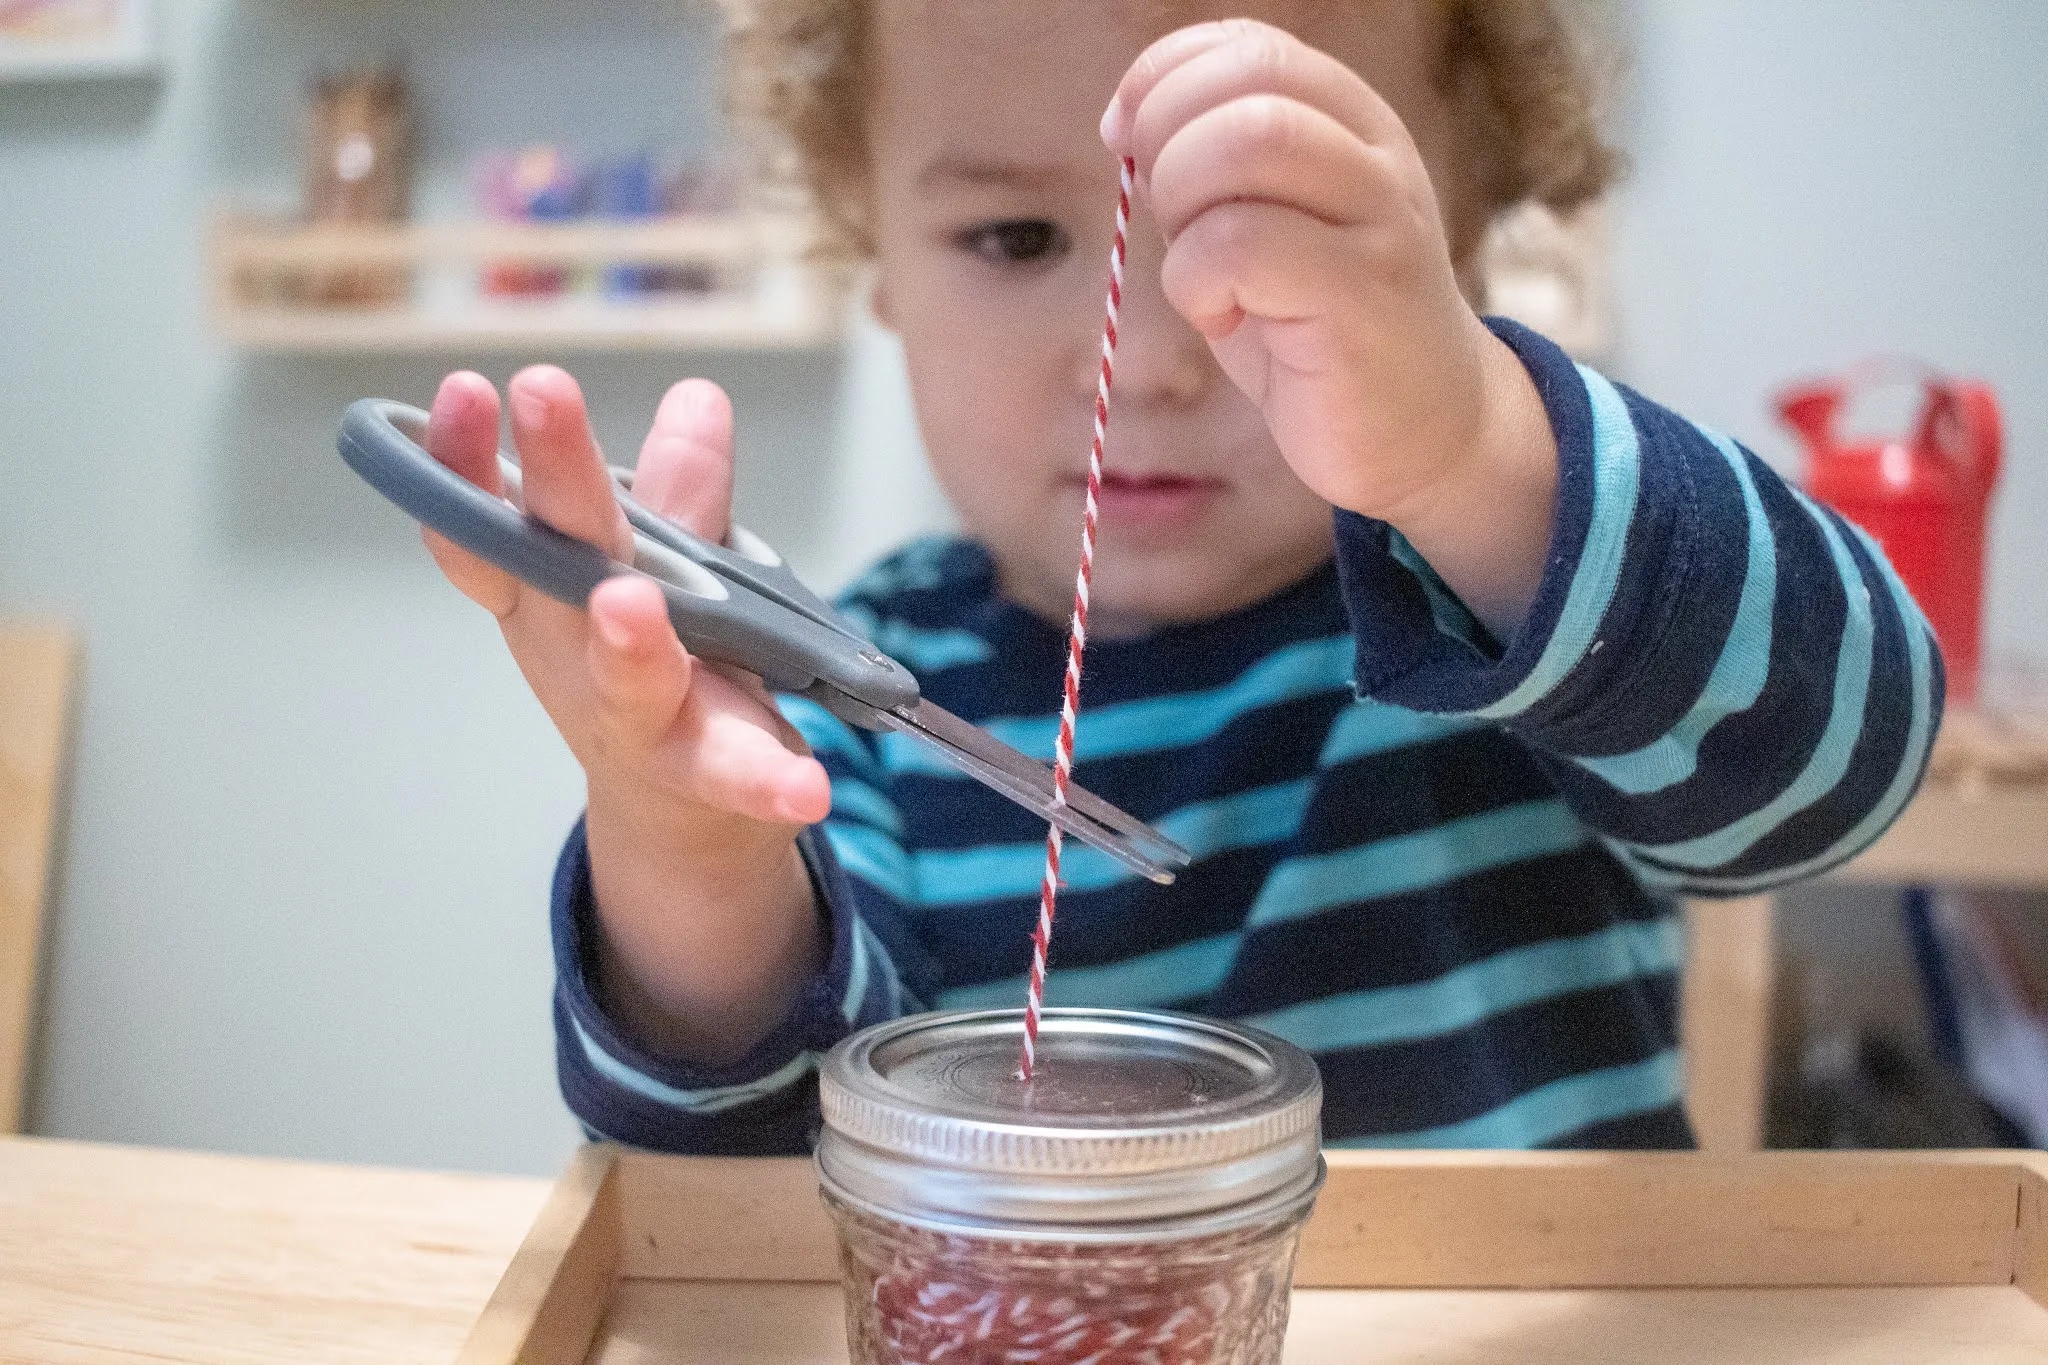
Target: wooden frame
733, 1259
38, 675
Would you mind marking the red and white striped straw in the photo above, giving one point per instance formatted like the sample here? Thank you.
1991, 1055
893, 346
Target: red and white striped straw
1077, 636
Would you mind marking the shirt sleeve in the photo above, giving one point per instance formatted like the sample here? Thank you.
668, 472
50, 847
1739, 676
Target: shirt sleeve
1725, 680
765, 1103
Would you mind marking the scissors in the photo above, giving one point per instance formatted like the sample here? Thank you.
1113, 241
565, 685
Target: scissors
738, 604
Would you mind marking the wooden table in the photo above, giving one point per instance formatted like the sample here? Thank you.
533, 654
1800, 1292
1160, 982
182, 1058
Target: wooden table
131, 1254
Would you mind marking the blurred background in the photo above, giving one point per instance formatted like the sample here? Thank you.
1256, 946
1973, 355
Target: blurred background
297, 903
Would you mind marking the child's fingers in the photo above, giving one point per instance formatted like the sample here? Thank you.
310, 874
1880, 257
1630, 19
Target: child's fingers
715, 740
481, 581
1153, 65
566, 482
637, 666
1263, 60
685, 470
739, 765
462, 428
462, 433
1262, 259
1268, 148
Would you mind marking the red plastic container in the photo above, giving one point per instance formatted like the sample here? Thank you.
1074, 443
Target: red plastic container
1926, 497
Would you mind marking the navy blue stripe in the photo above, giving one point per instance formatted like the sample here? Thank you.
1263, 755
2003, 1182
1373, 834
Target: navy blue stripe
1673, 604
1396, 940
980, 943
1880, 745
1664, 1129
1399, 1087
1031, 653
1747, 759
1418, 787
1274, 744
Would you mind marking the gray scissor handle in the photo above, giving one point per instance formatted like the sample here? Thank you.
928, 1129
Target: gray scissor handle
726, 606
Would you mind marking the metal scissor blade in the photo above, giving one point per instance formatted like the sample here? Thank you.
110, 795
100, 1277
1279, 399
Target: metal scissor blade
1029, 783
1028, 771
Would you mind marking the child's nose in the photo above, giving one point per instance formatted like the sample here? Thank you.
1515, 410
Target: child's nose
1160, 359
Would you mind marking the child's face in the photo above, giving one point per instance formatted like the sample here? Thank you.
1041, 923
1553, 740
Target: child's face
994, 204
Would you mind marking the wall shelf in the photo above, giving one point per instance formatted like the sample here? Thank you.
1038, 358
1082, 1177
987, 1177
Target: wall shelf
764, 295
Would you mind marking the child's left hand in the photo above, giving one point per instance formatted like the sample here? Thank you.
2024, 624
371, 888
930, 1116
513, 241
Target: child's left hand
1304, 241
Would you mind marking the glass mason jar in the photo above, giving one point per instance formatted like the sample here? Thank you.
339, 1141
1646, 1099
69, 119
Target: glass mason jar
1137, 1202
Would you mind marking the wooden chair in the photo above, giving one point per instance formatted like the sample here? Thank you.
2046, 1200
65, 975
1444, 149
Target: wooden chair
38, 672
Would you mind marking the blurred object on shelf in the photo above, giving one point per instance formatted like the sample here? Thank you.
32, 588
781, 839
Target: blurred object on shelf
1926, 498
358, 171
1872, 1090
770, 296
1998, 1001
1550, 273
627, 188
1840, 1080
72, 39
537, 184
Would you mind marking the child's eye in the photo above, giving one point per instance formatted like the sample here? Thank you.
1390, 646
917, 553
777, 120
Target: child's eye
1016, 241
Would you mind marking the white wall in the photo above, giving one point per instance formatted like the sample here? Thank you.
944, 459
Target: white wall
303, 905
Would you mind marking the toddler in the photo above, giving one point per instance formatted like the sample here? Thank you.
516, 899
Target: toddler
1448, 659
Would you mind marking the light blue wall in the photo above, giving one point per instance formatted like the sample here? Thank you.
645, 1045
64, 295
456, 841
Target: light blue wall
303, 904
303, 908
1819, 180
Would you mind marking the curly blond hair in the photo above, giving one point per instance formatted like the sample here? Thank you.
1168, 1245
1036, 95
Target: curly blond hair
1522, 72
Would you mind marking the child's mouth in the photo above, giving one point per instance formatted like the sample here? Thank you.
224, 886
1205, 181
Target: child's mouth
1154, 498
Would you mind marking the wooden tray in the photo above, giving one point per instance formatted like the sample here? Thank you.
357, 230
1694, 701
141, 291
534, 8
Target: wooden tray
1424, 1258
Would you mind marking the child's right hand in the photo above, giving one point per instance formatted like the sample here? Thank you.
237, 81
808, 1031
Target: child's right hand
698, 786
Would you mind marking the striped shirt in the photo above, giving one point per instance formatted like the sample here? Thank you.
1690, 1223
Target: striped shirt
1442, 865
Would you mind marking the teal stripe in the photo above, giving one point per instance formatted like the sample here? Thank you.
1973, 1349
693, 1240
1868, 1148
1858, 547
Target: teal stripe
1450, 615
869, 959
827, 734
1739, 674
1177, 973
1410, 862
1919, 735
1549, 1112
1154, 723
857, 800
1263, 815
857, 969
914, 567
1616, 475
917, 647
873, 857
891, 978
707, 1101
1479, 990
1368, 727
1830, 758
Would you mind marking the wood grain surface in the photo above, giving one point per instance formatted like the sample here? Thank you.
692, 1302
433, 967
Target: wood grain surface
130, 1254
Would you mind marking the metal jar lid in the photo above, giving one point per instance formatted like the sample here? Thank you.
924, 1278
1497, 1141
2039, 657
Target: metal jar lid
1134, 1124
